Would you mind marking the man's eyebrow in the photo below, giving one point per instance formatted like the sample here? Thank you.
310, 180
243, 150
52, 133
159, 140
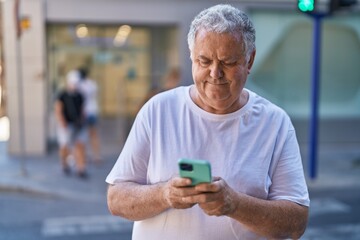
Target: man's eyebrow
202, 57
229, 59
226, 59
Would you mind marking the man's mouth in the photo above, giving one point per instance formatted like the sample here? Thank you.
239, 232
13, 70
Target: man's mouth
217, 82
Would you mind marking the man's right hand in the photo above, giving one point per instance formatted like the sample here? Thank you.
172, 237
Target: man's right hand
176, 189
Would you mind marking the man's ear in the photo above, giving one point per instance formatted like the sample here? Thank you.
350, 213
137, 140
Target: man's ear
251, 60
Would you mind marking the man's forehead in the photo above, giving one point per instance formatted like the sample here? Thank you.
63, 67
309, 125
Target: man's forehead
222, 50
221, 40
205, 32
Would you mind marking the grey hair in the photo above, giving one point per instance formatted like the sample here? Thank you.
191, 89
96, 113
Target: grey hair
224, 18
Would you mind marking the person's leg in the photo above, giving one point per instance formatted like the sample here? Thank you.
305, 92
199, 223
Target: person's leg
79, 151
95, 145
63, 141
79, 154
63, 154
92, 121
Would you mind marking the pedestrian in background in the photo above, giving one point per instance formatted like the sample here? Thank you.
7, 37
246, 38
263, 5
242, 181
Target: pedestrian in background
71, 134
258, 190
89, 89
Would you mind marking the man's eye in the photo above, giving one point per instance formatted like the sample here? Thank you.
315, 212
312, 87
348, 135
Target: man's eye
203, 62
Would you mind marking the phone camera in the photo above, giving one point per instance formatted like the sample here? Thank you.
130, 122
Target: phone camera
186, 167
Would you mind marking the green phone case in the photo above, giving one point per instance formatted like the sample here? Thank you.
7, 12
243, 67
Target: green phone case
199, 171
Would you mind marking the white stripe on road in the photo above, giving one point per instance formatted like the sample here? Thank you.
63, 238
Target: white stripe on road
84, 225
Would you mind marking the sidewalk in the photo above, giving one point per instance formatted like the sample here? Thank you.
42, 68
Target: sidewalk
45, 177
338, 167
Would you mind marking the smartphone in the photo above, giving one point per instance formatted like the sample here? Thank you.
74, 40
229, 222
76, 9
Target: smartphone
199, 171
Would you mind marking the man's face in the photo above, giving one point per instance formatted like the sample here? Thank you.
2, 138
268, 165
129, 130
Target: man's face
71, 87
219, 70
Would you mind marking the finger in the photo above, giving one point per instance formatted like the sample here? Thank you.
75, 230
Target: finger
180, 182
201, 198
206, 187
209, 206
179, 187
183, 206
211, 211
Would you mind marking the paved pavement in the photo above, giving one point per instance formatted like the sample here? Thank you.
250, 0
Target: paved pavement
338, 167
43, 175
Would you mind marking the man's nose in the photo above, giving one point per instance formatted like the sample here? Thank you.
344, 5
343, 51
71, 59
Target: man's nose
216, 71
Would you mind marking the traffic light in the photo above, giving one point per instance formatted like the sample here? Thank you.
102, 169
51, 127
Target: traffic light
306, 5
337, 4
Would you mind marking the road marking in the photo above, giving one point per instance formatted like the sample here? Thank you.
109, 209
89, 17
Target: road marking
320, 206
84, 225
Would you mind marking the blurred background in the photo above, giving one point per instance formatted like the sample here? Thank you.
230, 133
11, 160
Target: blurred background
128, 47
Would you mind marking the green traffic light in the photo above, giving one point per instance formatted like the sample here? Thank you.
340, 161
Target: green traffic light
306, 5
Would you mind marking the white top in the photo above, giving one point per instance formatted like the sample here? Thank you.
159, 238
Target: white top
254, 149
89, 90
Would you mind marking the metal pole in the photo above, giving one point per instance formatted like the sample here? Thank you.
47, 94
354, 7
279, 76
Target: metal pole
21, 110
21, 92
315, 84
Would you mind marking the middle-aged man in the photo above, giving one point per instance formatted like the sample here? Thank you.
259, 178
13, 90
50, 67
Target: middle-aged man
259, 190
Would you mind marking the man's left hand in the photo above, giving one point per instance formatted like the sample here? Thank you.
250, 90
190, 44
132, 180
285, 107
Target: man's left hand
216, 198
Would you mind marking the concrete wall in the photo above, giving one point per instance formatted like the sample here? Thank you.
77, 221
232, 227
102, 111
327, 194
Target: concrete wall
24, 76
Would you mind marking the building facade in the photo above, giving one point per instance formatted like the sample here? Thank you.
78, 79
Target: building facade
129, 46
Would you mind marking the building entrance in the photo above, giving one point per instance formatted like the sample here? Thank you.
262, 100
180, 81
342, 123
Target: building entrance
120, 58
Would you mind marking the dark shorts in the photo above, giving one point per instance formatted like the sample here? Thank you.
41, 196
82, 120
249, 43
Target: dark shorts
70, 135
91, 120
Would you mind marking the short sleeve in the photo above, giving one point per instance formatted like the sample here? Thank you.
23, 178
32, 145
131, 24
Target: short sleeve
132, 162
288, 181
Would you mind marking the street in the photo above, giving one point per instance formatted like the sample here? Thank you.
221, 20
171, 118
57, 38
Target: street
335, 214
34, 217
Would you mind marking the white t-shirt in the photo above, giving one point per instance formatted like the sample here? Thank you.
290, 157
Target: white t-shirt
89, 90
254, 149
